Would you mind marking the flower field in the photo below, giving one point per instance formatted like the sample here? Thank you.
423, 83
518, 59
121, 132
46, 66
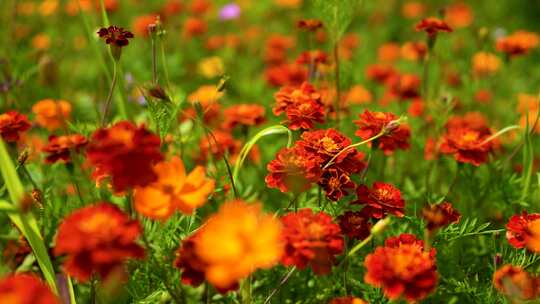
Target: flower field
269, 151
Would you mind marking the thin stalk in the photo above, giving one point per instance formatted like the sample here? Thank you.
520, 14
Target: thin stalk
110, 95
281, 283
245, 291
353, 146
154, 60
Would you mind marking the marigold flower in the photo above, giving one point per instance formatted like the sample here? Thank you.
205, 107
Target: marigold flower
292, 170
440, 215
380, 73
310, 25
13, 125
516, 283
189, 262
311, 239
52, 114
59, 148
25, 289
244, 115
388, 52
355, 225
372, 123
468, 145
141, 23
402, 269
302, 105
217, 144
173, 190
114, 35
432, 26
97, 239
458, 15
287, 74
358, 95
347, 300
473, 120
413, 9
336, 183
414, 51
380, 200
518, 43
126, 153
518, 231
236, 241
485, 64
403, 86
276, 49
194, 26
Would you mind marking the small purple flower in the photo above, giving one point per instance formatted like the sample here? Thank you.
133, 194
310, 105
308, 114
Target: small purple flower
229, 12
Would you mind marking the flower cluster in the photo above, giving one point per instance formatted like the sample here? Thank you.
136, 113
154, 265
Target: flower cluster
516, 283
302, 105
524, 231
59, 148
395, 136
13, 125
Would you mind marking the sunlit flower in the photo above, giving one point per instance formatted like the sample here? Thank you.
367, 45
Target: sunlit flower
25, 289
522, 230
440, 215
458, 15
126, 153
380, 200
97, 239
355, 225
13, 125
211, 67
59, 148
485, 64
114, 35
516, 283
236, 241
402, 269
358, 95
292, 170
371, 124
302, 106
467, 145
432, 26
311, 239
518, 43
243, 115
52, 114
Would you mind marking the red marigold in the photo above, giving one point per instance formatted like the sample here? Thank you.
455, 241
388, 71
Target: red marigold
467, 145
404, 86
217, 144
126, 153
402, 269
12, 125
59, 148
518, 43
114, 35
432, 26
380, 73
97, 239
355, 225
380, 200
517, 228
310, 25
473, 120
372, 123
440, 215
286, 74
336, 183
292, 170
311, 239
243, 114
516, 283
276, 49
302, 105
25, 289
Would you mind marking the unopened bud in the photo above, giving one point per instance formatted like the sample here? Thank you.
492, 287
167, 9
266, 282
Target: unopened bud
23, 157
380, 226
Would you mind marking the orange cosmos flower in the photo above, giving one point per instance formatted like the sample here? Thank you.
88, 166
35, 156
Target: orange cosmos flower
97, 239
25, 289
173, 190
485, 64
516, 283
13, 125
402, 269
380, 200
51, 114
126, 153
302, 105
372, 123
432, 26
518, 43
458, 15
440, 215
243, 115
311, 239
237, 241
59, 148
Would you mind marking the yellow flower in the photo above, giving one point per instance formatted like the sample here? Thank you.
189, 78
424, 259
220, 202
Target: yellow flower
211, 67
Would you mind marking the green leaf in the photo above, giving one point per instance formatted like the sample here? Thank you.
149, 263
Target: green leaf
277, 129
26, 223
336, 15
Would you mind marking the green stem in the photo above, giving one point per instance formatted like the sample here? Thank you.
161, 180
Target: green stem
110, 95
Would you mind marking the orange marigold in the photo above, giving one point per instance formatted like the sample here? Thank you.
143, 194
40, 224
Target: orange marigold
13, 125
372, 123
347, 300
485, 64
126, 153
468, 145
402, 269
524, 231
51, 114
380, 200
59, 148
518, 43
244, 115
458, 15
173, 190
292, 170
516, 283
25, 289
286, 74
237, 241
302, 105
311, 239
97, 239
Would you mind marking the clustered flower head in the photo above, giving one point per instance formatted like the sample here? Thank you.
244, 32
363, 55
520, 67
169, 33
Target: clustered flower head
355, 224
243, 115
25, 289
402, 269
516, 283
396, 136
13, 125
302, 105
126, 153
311, 239
115, 35
523, 231
380, 200
97, 239
440, 215
173, 190
52, 114
432, 26
59, 148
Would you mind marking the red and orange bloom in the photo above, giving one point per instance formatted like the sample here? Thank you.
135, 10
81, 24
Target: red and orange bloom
380, 200
414, 51
518, 43
485, 64
458, 15
194, 27
141, 24
52, 114
404, 86
126, 153
315, 57
237, 241
173, 190
243, 115
347, 300
355, 225
371, 124
467, 145
310, 25
189, 262
402, 269
432, 26
286, 74
520, 230
336, 183
311, 239
292, 170
114, 35
25, 289
302, 105
217, 144
59, 148
13, 125
380, 73
516, 283
276, 49
440, 215
97, 239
